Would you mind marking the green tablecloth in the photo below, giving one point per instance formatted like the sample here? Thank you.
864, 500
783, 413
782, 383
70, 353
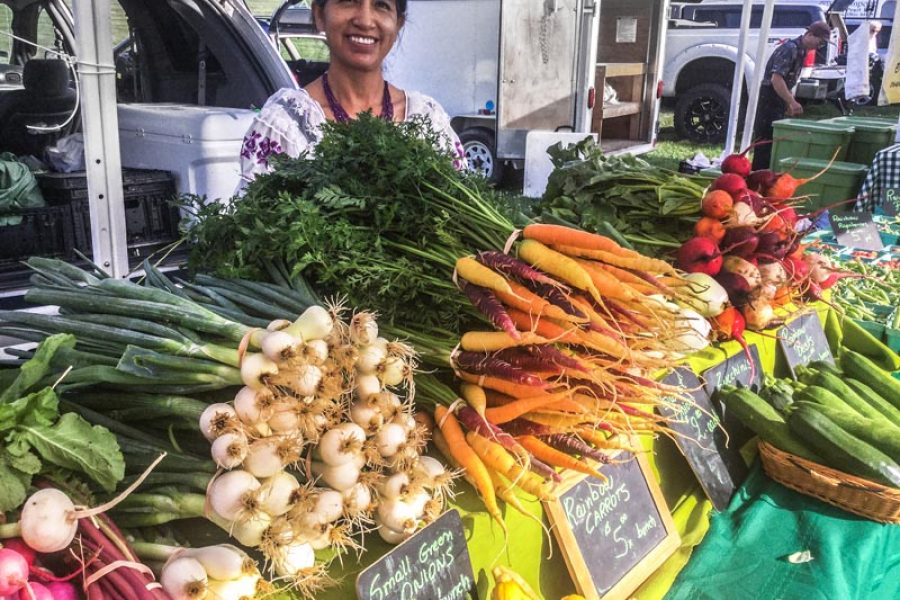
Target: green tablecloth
745, 555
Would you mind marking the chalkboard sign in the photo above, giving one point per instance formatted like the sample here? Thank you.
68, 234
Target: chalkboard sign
431, 565
613, 534
891, 204
856, 230
803, 341
715, 460
736, 371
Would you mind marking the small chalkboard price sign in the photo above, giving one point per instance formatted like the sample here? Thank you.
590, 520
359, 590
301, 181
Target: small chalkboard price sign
716, 462
803, 341
856, 230
613, 534
891, 204
433, 564
735, 370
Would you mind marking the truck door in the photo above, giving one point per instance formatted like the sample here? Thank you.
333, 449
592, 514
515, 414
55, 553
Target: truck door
537, 83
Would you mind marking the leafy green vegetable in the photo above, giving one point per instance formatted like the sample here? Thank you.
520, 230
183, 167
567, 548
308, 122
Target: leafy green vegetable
377, 215
649, 207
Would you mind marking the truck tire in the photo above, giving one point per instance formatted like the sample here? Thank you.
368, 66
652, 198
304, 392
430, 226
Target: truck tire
701, 114
479, 146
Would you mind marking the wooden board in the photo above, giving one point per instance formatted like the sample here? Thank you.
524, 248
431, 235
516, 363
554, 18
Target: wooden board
613, 535
433, 564
802, 341
714, 459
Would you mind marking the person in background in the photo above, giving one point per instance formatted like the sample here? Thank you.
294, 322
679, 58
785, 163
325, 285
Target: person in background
359, 34
874, 30
776, 98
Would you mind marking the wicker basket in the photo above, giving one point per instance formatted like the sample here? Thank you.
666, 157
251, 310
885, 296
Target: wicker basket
854, 494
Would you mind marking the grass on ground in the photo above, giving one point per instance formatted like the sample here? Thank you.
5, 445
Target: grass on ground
670, 151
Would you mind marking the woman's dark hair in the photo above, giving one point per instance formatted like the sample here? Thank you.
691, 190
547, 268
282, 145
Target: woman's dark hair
401, 6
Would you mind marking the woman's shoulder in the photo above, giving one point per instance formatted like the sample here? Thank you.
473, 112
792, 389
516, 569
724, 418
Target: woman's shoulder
294, 100
418, 103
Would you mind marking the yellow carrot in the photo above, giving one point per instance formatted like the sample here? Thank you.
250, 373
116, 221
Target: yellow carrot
556, 458
642, 263
559, 265
474, 395
474, 272
498, 459
492, 341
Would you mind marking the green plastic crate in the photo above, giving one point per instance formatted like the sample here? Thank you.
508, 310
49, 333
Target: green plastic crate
801, 138
840, 182
870, 135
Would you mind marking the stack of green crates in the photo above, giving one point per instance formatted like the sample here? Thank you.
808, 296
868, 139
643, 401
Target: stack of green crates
870, 134
801, 138
840, 182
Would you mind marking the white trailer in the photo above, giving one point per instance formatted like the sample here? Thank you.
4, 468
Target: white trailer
502, 68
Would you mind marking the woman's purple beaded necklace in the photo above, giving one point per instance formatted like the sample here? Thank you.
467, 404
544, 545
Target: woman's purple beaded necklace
341, 116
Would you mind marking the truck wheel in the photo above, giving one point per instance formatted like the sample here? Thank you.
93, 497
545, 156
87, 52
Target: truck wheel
701, 114
481, 156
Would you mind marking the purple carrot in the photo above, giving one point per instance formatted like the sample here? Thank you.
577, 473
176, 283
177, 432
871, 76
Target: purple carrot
522, 358
521, 426
475, 422
629, 315
484, 364
550, 353
555, 296
652, 281
572, 445
509, 265
485, 301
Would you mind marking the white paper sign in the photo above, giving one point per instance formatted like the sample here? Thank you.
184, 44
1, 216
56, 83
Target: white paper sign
626, 30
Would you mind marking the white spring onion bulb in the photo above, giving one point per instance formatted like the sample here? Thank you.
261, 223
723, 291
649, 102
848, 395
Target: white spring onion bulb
216, 419
363, 329
279, 346
263, 458
342, 444
284, 417
404, 419
389, 439
367, 386
294, 559
329, 505
184, 578
387, 402
324, 539
316, 351
417, 502
397, 514
222, 561
276, 495
256, 368
366, 416
247, 405
250, 532
314, 324
370, 357
390, 536
234, 589
430, 469
308, 379
393, 371
229, 449
395, 486
233, 495
341, 478
357, 499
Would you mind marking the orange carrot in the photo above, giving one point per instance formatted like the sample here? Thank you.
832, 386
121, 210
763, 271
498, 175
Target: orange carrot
555, 458
562, 422
495, 398
506, 413
543, 327
559, 265
623, 275
638, 263
466, 456
492, 341
607, 284
474, 272
516, 390
527, 301
498, 459
553, 235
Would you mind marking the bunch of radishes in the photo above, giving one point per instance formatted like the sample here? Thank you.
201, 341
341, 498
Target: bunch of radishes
748, 241
222, 572
318, 444
17, 565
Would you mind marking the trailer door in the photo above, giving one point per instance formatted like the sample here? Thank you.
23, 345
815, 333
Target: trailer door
537, 84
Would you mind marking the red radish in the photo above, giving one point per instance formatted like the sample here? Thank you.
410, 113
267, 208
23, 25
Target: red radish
709, 228
731, 183
485, 301
761, 180
740, 241
835, 277
13, 571
19, 545
731, 324
37, 591
717, 204
61, 590
699, 255
785, 184
796, 269
738, 163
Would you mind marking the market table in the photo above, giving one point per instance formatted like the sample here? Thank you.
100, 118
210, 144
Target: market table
882, 176
534, 553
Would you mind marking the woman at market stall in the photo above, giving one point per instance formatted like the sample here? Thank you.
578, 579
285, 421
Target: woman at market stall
359, 34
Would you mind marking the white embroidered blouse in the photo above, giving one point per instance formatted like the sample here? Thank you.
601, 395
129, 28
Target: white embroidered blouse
291, 120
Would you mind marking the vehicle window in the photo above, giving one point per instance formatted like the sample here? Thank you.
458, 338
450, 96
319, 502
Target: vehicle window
5, 30
730, 17
309, 49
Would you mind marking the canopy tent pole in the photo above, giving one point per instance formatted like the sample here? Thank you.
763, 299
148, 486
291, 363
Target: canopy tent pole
737, 83
97, 82
759, 70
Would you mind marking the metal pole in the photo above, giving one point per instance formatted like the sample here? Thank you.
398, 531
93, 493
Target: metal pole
737, 84
97, 75
759, 70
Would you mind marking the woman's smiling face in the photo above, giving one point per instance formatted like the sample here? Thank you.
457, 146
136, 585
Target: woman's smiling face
360, 33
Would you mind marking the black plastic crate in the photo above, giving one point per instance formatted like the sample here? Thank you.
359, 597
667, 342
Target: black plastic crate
43, 231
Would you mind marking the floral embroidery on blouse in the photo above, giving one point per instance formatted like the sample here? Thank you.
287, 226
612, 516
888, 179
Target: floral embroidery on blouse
290, 123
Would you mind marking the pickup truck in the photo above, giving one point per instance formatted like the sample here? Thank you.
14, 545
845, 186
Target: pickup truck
701, 49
